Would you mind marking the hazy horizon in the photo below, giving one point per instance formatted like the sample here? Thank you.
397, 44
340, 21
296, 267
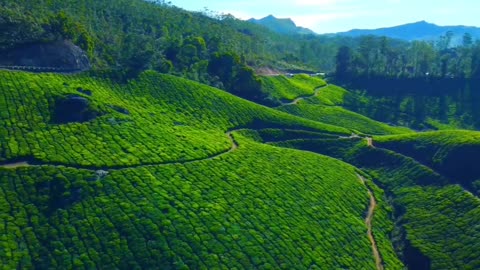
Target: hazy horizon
330, 16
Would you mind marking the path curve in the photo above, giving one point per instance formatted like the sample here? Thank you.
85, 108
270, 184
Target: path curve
368, 222
295, 101
26, 163
29, 162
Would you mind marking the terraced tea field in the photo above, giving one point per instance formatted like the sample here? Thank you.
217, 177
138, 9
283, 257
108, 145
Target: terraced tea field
162, 172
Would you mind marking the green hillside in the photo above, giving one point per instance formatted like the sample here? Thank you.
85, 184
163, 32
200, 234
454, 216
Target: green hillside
138, 135
331, 95
436, 216
165, 172
342, 117
154, 119
434, 219
85, 198
317, 101
241, 210
290, 88
451, 152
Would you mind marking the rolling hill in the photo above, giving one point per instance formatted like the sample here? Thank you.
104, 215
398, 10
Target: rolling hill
149, 181
153, 160
165, 172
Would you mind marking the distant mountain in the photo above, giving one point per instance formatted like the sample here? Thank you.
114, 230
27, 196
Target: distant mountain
421, 30
282, 26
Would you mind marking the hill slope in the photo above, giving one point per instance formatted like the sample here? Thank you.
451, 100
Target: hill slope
313, 99
144, 176
433, 215
154, 119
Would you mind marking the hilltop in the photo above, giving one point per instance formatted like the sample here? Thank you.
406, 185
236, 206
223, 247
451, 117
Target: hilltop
282, 26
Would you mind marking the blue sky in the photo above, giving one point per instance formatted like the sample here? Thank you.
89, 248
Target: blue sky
325, 16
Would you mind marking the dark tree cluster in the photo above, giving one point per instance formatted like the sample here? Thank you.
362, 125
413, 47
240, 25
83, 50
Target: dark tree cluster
383, 57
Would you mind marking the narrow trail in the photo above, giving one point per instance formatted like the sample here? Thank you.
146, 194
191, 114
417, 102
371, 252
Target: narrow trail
15, 165
368, 222
32, 162
295, 101
370, 142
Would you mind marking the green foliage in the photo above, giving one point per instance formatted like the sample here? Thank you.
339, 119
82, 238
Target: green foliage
289, 88
274, 135
418, 102
254, 208
432, 216
435, 217
235, 77
377, 56
105, 29
343, 69
384, 227
17, 29
331, 95
323, 107
451, 152
342, 117
439, 222
170, 119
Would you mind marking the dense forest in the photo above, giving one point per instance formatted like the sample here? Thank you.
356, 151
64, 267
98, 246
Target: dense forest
129, 36
383, 57
419, 84
139, 34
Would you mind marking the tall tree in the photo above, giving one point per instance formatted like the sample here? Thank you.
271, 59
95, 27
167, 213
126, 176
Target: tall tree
344, 63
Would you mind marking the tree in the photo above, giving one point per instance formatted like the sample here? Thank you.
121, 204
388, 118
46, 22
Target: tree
247, 84
368, 51
344, 63
223, 66
467, 40
475, 65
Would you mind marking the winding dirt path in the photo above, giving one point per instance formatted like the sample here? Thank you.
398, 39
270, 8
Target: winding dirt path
32, 162
295, 101
370, 142
368, 222
15, 165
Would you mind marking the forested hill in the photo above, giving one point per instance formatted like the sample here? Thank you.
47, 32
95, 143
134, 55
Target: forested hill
138, 34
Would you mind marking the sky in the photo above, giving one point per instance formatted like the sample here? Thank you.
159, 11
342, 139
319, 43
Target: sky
330, 16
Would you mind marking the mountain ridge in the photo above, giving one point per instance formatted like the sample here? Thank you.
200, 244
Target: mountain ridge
282, 25
420, 30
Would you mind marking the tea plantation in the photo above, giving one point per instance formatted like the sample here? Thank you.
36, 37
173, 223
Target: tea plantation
326, 106
145, 175
342, 117
154, 119
290, 88
453, 153
160, 172
436, 220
